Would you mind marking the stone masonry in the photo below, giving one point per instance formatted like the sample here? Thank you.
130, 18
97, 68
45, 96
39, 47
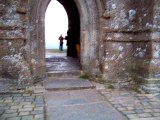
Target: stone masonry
119, 40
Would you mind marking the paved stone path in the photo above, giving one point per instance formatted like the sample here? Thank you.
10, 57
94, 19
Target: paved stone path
21, 106
6, 84
133, 105
79, 105
30, 106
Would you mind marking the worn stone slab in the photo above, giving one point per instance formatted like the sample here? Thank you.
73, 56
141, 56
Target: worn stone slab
67, 84
64, 74
74, 97
95, 111
79, 105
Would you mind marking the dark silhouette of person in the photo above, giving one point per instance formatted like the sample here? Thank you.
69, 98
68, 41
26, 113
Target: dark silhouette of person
71, 43
61, 42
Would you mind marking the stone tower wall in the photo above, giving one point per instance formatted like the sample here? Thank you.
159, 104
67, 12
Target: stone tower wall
14, 60
119, 39
128, 46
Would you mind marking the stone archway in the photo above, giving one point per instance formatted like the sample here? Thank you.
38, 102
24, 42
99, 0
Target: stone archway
111, 32
89, 12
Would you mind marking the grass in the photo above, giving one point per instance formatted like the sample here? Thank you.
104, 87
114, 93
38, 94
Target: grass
84, 76
136, 89
56, 50
110, 86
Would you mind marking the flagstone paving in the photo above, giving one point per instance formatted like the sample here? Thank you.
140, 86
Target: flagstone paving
84, 104
32, 106
133, 105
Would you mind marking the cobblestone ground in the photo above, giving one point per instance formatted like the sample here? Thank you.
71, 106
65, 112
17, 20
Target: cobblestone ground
133, 105
19, 106
31, 105
22, 106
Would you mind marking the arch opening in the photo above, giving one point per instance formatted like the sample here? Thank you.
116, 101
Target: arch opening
70, 37
56, 24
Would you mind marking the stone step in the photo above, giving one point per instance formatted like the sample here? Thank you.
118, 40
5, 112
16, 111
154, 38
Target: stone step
64, 74
151, 88
152, 81
53, 84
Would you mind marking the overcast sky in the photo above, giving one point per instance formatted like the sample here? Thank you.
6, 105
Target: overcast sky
56, 23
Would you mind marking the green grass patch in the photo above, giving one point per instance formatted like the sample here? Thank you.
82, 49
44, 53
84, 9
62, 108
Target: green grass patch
136, 89
110, 86
84, 76
56, 50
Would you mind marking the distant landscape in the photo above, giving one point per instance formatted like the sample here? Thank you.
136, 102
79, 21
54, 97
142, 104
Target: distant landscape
56, 50
56, 23
54, 44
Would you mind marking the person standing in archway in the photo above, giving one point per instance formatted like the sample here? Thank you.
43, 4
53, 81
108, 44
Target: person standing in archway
61, 42
71, 43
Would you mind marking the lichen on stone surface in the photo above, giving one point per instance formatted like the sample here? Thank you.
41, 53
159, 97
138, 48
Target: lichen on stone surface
132, 14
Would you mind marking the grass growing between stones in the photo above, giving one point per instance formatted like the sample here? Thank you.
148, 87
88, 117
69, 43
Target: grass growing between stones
84, 76
136, 89
110, 86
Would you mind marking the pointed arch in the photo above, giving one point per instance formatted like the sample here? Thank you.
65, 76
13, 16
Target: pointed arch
89, 19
